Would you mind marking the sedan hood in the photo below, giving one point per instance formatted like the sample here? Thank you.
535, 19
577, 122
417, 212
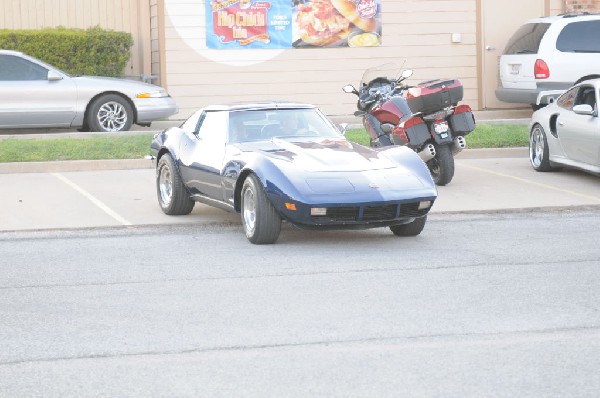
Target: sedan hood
109, 82
323, 154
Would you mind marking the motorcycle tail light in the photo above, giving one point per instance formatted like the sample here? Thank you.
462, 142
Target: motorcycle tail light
541, 70
462, 109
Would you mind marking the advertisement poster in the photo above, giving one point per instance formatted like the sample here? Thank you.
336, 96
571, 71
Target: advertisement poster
278, 24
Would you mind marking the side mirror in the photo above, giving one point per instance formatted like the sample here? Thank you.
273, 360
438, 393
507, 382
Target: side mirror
53, 76
343, 127
350, 89
406, 73
584, 109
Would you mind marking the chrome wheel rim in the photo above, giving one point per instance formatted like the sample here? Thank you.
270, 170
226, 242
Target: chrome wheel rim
249, 210
536, 148
165, 185
112, 116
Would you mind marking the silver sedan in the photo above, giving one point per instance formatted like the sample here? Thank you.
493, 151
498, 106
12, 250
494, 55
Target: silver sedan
566, 133
35, 94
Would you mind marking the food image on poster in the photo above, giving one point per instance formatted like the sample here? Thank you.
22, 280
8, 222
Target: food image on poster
337, 23
236, 24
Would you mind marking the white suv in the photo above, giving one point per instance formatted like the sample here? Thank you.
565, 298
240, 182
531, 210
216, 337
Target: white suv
549, 54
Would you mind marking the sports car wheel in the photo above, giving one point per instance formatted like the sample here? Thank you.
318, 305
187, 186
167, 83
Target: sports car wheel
110, 113
261, 222
441, 166
538, 149
172, 195
413, 228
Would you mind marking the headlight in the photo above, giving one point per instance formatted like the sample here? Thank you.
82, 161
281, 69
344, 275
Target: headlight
153, 94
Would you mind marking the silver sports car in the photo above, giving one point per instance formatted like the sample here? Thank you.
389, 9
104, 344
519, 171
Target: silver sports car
35, 94
566, 133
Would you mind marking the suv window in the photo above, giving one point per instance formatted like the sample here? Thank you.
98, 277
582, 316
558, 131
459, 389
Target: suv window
527, 39
580, 37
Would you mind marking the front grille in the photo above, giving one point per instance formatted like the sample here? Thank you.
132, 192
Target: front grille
379, 213
339, 214
411, 210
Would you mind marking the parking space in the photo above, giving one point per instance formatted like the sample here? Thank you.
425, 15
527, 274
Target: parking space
102, 194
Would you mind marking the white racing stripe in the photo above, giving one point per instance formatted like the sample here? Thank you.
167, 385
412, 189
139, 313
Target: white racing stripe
92, 199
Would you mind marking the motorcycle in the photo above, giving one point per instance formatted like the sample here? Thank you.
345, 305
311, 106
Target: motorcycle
427, 117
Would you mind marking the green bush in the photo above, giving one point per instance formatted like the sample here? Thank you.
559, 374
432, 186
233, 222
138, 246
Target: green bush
93, 51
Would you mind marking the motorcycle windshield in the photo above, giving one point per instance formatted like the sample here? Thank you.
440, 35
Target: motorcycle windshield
389, 71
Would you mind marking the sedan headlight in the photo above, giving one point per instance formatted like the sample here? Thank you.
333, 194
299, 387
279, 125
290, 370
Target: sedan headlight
153, 94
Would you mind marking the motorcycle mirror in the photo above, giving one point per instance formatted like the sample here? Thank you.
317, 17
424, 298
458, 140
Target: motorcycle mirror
350, 89
406, 73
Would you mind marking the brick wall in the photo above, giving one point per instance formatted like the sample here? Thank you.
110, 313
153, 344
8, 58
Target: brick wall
582, 5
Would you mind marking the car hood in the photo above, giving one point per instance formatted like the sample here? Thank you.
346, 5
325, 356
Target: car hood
108, 83
326, 154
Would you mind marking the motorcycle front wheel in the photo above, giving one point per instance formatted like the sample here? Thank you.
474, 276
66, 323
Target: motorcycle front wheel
441, 166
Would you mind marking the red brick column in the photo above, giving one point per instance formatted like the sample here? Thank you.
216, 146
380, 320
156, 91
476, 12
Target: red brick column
582, 6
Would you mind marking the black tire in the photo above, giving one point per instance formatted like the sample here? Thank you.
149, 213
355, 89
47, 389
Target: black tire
413, 228
441, 166
109, 113
538, 149
173, 197
260, 220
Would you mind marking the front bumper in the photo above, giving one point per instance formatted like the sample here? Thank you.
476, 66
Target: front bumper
151, 109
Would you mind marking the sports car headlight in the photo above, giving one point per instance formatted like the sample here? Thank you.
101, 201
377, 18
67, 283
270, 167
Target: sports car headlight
153, 94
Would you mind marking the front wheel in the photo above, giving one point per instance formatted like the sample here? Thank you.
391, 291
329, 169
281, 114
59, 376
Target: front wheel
441, 166
261, 221
109, 113
413, 228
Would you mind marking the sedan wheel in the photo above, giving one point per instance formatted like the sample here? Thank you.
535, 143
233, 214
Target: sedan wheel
172, 195
110, 113
261, 222
538, 149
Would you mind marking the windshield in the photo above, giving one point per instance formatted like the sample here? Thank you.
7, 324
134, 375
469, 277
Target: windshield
266, 124
389, 71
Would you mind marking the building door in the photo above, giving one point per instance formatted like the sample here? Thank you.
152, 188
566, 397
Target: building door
499, 19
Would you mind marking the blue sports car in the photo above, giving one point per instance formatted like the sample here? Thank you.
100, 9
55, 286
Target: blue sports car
283, 161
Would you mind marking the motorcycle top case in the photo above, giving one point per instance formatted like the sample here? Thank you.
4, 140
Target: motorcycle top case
434, 95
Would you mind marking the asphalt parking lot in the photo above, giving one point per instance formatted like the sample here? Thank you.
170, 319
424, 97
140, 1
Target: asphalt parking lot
89, 194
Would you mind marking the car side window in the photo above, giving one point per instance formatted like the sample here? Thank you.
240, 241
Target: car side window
213, 128
18, 69
567, 100
586, 96
580, 37
191, 124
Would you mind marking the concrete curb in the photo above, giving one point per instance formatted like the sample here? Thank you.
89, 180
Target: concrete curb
127, 164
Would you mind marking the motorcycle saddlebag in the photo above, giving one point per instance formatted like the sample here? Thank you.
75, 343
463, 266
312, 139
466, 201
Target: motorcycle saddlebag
434, 95
462, 120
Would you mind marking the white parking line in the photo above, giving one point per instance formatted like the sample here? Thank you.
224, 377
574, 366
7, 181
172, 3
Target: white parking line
575, 193
92, 199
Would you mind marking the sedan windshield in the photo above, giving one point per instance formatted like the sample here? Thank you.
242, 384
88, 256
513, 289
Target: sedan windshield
266, 124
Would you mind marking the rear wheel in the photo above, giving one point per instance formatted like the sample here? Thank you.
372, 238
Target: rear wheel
261, 221
538, 149
441, 166
413, 228
173, 198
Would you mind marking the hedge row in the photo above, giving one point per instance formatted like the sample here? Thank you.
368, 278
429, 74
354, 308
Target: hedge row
93, 51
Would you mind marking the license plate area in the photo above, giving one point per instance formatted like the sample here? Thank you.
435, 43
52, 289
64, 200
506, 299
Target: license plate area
515, 69
440, 128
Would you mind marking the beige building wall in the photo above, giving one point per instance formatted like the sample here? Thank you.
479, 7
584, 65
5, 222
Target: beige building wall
131, 16
415, 32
